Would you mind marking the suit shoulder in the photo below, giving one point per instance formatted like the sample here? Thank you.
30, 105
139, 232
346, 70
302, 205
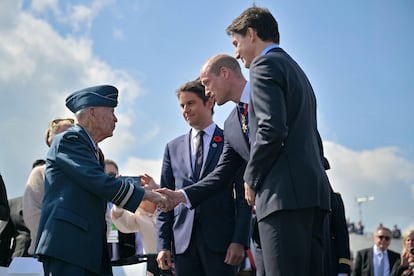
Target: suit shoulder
218, 131
364, 251
176, 140
391, 252
71, 135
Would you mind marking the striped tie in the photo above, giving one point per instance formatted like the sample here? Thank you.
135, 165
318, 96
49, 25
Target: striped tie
198, 164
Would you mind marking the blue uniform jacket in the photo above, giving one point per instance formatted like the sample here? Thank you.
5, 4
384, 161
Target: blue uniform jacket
72, 225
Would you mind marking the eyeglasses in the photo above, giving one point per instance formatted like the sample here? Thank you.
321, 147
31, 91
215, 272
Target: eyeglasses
387, 238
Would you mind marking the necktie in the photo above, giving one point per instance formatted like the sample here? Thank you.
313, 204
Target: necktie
198, 164
244, 118
381, 264
97, 152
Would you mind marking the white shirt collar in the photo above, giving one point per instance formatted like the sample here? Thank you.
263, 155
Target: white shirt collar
209, 131
377, 251
245, 96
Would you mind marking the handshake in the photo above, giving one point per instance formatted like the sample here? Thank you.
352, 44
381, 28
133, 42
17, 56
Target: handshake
165, 199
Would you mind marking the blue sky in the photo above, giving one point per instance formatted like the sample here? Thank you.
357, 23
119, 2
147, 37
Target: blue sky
357, 55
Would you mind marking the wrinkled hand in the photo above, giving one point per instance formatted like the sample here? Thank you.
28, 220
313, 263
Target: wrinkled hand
235, 254
147, 182
174, 198
157, 198
164, 259
249, 195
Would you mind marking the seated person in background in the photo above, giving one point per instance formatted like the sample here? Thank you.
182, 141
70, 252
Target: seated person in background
143, 220
396, 232
359, 228
406, 265
123, 249
34, 191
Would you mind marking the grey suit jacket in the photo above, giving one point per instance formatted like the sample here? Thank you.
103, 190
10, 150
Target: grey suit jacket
285, 166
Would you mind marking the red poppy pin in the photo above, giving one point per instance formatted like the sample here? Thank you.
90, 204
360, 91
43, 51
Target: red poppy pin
217, 139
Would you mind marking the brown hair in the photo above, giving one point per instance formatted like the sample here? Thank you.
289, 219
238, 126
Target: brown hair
195, 87
55, 127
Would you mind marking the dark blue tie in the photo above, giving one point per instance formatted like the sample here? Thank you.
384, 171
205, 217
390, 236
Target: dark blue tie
244, 118
198, 164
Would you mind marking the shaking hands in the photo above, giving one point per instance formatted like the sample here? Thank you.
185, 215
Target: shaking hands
165, 199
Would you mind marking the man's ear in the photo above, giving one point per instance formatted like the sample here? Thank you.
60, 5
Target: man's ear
224, 72
210, 102
251, 34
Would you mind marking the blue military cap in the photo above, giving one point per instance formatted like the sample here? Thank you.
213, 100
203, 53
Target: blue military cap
101, 95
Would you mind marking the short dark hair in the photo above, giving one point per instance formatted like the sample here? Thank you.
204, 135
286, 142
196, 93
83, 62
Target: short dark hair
259, 19
195, 87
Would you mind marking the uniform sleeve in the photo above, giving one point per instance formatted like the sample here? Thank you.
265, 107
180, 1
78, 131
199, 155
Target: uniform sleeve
79, 162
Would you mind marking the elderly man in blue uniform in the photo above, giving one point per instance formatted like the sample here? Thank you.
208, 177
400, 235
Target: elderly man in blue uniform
72, 230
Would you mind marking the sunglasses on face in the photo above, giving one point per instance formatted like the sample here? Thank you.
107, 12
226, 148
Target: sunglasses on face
387, 238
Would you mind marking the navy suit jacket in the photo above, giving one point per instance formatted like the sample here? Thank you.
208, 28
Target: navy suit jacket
222, 218
285, 166
72, 225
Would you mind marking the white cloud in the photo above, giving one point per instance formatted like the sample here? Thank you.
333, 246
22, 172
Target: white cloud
44, 5
381, 173
38, 69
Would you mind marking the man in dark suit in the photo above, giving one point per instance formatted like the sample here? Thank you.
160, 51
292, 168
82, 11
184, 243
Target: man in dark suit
72, 229
285, 176
210, 239
377, 260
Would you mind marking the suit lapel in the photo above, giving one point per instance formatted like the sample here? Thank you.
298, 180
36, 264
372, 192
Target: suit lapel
187, 153
214, 151
235, 136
